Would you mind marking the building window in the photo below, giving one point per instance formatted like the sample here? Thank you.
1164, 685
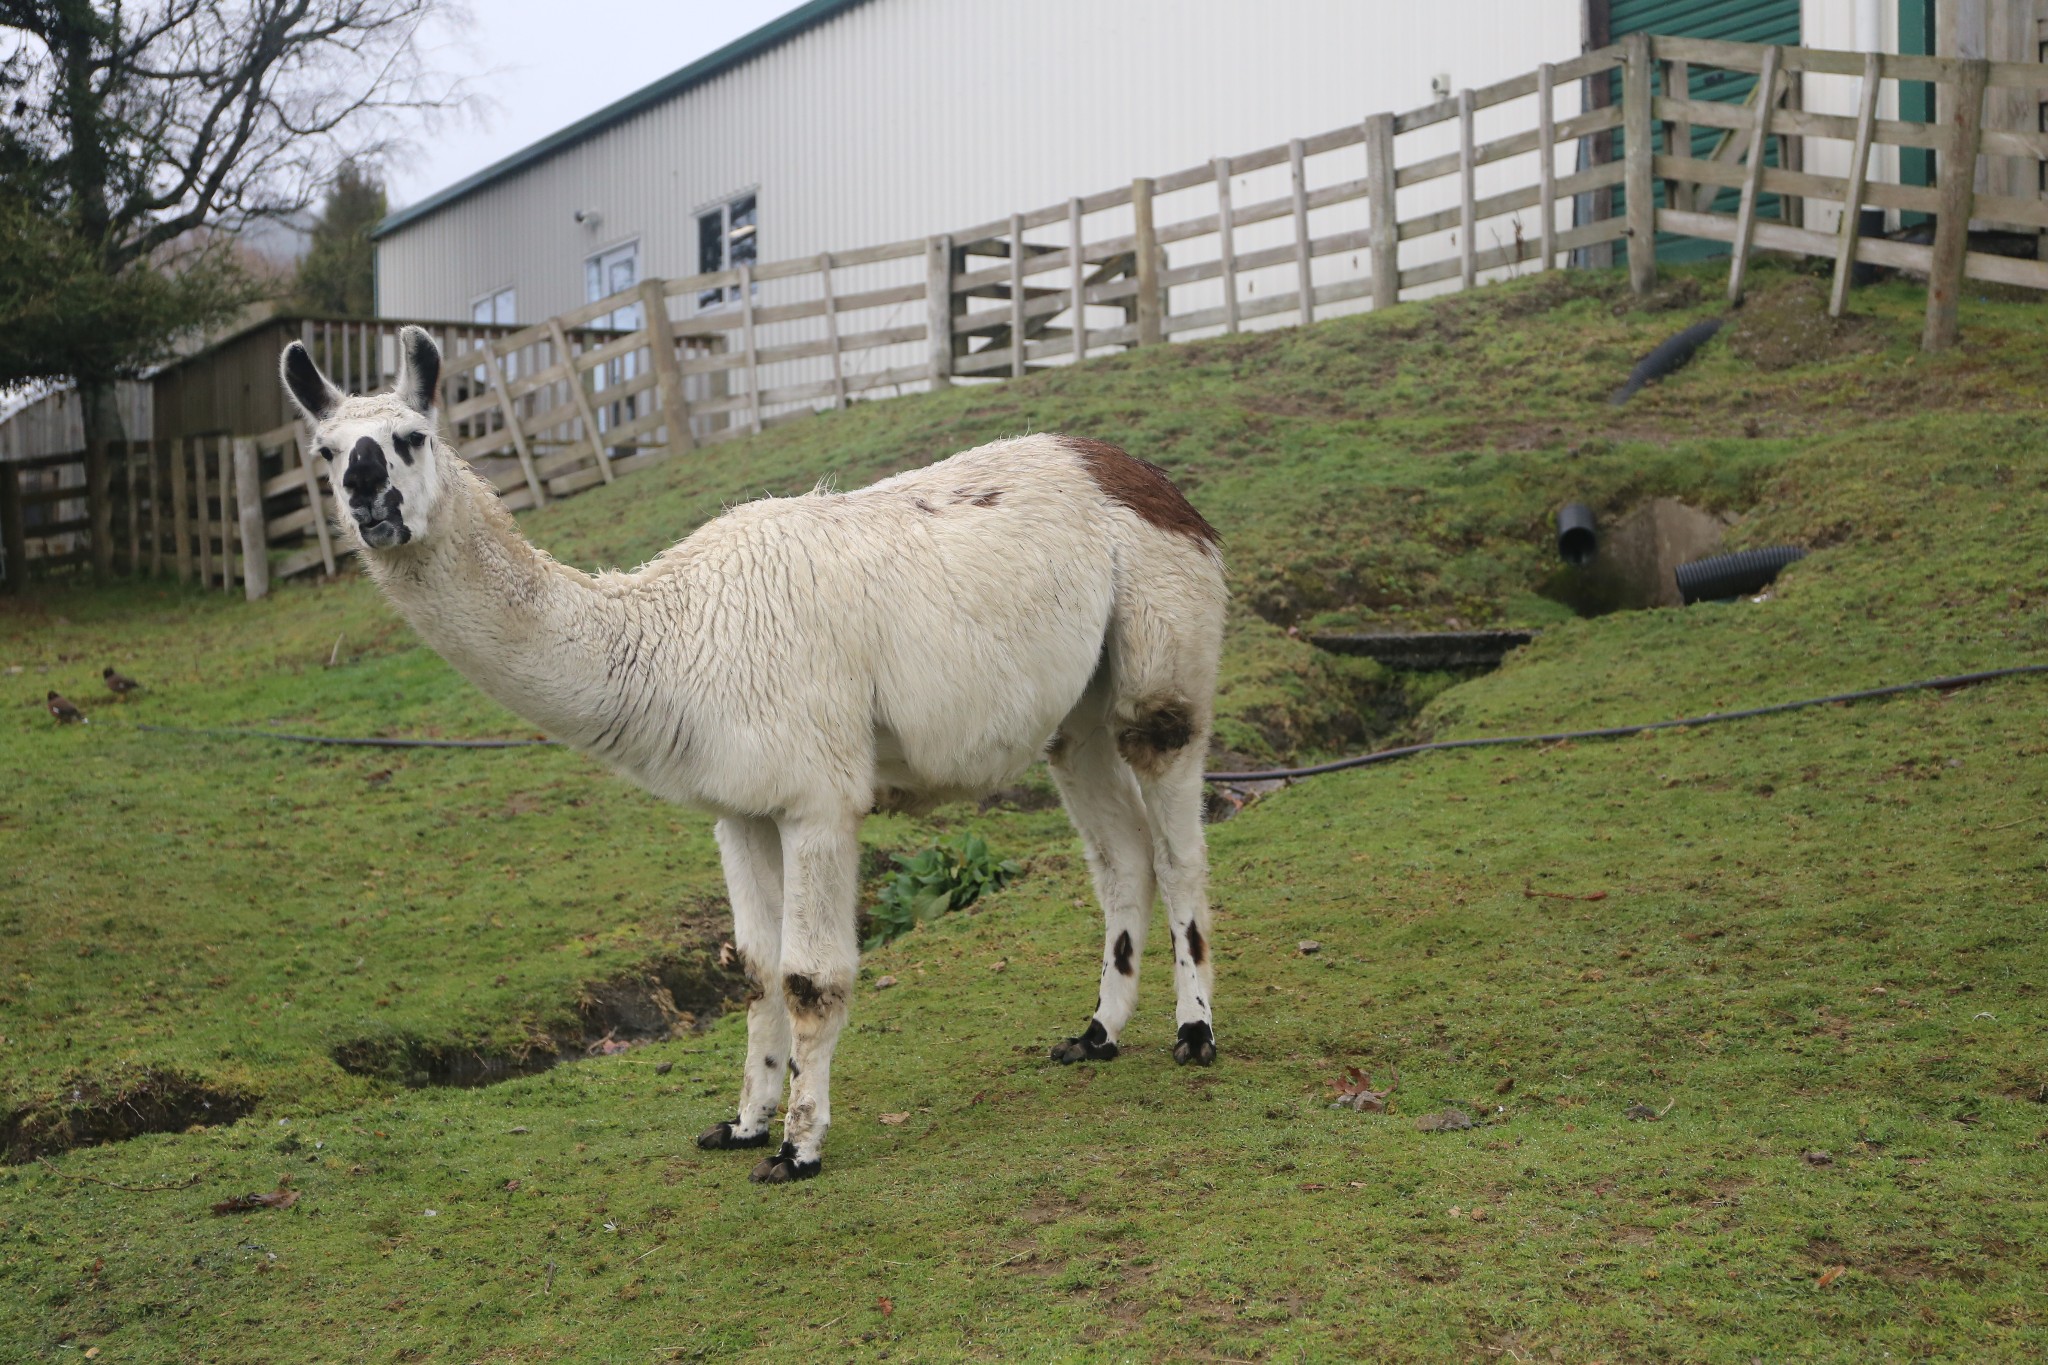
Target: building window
726, 240
495, 308
607, 273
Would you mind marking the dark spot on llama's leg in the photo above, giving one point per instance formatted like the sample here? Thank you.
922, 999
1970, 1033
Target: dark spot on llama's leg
768, 1062
1122, 953
1092, 1046
808, 997
1160, 728
1197, 1044
720, 1137
783, 1167
1198, 949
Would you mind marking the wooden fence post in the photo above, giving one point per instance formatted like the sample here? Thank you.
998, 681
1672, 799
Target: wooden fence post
100, 508
318, 504
1151, 305
1304, 272
1958, 175
1546, 166
1852, 202
181, 508
156, 509
1077, 257
202, 509
1678, 132
1383, 230
223, 454
580, 396
832, 331
134, 472
1016, 296
1468, 213
255, 536
1226, 241
753, 348
1637, 152
938, 309
13, 535
668, 372
1753, 175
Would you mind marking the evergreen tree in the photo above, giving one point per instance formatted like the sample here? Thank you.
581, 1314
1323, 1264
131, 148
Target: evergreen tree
338, 277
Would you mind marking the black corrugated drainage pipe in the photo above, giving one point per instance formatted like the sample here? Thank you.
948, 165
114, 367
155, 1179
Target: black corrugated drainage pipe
1578, 537
1722, 578
1672, 354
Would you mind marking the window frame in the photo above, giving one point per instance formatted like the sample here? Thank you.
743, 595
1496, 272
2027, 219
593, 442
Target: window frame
727, 296
491, 297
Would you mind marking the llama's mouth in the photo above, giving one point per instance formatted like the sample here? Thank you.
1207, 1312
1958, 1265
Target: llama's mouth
383, 535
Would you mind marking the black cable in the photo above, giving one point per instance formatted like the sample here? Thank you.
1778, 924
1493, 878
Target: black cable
1622, 731
357, 743
1270, 774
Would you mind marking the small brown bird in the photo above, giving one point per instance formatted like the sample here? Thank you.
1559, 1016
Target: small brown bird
64, 711
118, 684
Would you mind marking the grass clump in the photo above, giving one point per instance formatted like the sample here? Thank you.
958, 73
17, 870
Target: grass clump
952, 874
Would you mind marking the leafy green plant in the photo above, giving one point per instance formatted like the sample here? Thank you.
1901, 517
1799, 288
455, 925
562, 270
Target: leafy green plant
949, 875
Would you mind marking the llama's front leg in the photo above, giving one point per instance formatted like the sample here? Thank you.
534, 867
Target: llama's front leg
752, 852
820, 951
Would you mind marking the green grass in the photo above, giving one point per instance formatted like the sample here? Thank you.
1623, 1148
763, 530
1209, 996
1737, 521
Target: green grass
1820, 931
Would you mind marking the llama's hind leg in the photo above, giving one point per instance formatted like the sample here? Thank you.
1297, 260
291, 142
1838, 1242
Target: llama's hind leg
1104, 803
820, 952
752, 852
1172, 783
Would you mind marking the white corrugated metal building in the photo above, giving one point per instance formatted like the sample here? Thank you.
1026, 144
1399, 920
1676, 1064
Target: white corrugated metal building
847, 123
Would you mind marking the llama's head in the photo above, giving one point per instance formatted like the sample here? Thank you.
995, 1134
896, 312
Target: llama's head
380, 449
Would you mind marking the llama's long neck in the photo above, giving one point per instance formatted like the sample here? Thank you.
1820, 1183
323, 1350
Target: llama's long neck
538, 636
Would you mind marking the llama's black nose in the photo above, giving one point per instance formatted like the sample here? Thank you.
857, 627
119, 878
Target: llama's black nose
371, 499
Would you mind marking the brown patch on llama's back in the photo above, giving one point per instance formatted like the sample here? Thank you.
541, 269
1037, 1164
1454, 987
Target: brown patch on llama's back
1143, 487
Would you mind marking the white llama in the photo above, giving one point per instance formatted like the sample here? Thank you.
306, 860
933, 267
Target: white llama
798, 661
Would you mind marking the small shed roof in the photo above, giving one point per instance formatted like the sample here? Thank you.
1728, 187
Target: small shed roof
741, 50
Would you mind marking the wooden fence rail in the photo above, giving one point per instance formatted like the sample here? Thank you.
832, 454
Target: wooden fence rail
1484, 183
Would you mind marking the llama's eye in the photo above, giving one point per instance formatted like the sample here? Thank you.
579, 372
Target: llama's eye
327, 453
415, 439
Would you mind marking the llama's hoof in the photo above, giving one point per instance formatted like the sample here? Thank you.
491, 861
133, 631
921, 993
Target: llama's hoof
1197, 1044
1092, 1046
720, 1136
783, 1167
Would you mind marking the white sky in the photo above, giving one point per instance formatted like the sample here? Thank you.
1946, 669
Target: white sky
543, 64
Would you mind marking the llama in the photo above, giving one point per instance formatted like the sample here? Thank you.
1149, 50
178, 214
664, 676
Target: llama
798, 662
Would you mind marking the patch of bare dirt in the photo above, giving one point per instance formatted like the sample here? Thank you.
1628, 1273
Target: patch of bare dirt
88, 1110
1786, 324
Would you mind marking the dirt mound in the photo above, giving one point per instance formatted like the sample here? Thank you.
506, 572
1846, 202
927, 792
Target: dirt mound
1785, 323
88, 1110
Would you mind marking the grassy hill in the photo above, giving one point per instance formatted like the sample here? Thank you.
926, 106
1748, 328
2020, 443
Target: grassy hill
1816, 951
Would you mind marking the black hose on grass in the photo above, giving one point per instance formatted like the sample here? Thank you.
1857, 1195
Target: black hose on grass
1271, 774
1623, 731
355, 743
1671, 355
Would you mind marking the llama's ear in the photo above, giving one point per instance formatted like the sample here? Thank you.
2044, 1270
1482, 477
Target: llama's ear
419, 369
308, 387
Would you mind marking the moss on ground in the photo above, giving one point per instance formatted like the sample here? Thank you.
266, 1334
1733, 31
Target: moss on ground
1815, 949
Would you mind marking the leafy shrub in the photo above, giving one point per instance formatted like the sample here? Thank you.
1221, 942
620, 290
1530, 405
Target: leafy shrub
949, 875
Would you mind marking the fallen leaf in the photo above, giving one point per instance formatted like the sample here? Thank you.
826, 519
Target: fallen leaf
511, 1185
1831, 1274
664, 1068
894, 1119
1642, 1113
1312, 1188
886, 1304
1478, 1214
521, 1129
1507, 1083
92, 1353
1818, 1158
1592, 974
1002, 966
885, 983
1457, 1212
1653, 1273
248, 1203
1449, 1121
1355, 1091
1309, 947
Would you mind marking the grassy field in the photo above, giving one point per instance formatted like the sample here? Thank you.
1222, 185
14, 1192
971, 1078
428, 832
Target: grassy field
1816, 950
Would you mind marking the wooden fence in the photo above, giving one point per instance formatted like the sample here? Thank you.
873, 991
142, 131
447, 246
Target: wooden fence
1437, 198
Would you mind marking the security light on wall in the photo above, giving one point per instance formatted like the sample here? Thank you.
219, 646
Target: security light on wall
590, 218
1440, 85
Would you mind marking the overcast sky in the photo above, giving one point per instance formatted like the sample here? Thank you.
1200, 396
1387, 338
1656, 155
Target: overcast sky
542, 64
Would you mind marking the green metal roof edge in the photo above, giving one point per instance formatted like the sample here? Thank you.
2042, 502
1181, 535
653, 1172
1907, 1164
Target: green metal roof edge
740, 50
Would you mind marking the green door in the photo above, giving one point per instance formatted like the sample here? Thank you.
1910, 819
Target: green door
1740, 21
